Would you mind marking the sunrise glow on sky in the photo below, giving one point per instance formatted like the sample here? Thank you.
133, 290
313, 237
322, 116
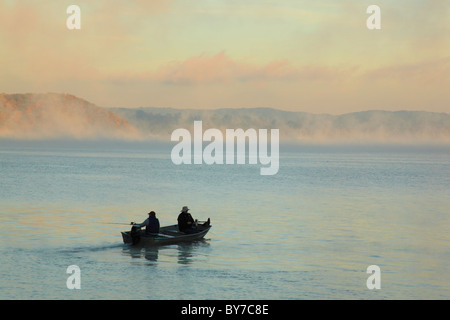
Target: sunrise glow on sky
312, 56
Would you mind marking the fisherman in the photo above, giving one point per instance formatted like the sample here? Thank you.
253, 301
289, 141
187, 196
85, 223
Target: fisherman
186, 223
151, 224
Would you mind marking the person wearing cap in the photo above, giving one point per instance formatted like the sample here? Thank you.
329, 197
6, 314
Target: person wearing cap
151, 224
186, 223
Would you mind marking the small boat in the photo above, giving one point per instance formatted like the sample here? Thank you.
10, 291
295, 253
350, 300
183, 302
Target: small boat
166, 235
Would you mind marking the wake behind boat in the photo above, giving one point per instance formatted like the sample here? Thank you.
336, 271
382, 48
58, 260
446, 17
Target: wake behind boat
167, 235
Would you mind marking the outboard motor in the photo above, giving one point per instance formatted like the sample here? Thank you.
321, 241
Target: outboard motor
135, 234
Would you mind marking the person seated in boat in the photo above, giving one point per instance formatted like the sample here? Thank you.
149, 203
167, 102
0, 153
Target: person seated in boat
151, 224
186, 223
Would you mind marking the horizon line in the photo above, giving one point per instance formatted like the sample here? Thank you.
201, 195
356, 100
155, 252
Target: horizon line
222, 108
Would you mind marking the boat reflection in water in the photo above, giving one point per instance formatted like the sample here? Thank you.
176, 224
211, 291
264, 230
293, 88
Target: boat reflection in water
186, 252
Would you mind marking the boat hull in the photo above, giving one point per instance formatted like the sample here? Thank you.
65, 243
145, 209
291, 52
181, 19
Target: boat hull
166, 235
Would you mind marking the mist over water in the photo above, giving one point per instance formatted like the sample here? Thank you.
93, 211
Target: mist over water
64, 116
59, 116
310, 231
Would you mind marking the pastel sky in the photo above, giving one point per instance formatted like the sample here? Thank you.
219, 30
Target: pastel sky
312, 56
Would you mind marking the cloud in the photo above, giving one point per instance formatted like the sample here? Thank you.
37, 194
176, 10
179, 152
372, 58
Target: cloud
297, 55
433, 71
220, 68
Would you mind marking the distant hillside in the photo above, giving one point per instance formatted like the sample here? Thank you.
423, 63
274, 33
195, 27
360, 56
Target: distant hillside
366, 126
51, 115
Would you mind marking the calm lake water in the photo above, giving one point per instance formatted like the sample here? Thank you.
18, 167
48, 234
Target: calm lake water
308, 232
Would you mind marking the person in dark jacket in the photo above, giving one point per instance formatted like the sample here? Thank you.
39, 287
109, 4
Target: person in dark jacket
151, 224
186, 223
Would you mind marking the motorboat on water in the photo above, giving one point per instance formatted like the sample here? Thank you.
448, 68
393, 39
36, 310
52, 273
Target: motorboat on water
167, 235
